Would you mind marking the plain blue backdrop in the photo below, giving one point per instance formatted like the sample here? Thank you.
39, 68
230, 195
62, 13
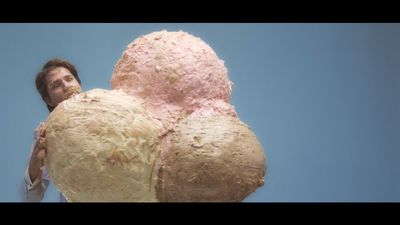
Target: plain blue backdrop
323, 99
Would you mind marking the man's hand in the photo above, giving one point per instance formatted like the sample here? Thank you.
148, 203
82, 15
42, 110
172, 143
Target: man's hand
38, 155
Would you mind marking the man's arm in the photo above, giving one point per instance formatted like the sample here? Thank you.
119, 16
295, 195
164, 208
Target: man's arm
34, 191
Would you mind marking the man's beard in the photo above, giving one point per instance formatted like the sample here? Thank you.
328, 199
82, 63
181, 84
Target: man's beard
70, 92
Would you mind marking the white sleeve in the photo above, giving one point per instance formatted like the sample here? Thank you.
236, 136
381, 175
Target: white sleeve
33, 192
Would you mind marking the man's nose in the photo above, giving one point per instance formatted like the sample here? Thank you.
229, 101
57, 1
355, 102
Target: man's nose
66, 84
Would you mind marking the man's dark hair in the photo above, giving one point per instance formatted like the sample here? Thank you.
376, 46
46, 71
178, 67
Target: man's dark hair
47, 68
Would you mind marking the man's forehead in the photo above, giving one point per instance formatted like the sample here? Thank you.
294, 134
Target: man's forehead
57, 73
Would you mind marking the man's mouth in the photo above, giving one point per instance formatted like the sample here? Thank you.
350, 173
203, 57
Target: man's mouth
70, 92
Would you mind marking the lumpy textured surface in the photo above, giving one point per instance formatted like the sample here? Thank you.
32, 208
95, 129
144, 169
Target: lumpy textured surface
166, 132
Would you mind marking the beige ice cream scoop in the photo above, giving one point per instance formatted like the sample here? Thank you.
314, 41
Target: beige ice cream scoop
102, 146
215, 158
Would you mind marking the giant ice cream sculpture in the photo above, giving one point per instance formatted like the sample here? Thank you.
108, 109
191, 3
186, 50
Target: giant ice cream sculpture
166, 132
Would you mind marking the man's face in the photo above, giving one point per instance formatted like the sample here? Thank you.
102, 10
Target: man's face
61, 85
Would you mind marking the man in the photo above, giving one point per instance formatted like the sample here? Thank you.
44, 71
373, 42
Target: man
57, 81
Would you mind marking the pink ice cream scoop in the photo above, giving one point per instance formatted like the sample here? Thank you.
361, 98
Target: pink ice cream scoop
172, 67
174, 73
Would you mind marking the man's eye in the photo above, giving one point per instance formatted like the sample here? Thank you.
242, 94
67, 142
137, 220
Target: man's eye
55, 85
69, 79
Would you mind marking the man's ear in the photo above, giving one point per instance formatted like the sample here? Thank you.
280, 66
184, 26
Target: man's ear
47, 100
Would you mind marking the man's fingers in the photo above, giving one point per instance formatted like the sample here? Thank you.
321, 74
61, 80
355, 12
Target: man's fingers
42, 129
40, 148
41, 154
42, 142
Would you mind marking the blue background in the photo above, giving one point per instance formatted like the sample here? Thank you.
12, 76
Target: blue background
323, 99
